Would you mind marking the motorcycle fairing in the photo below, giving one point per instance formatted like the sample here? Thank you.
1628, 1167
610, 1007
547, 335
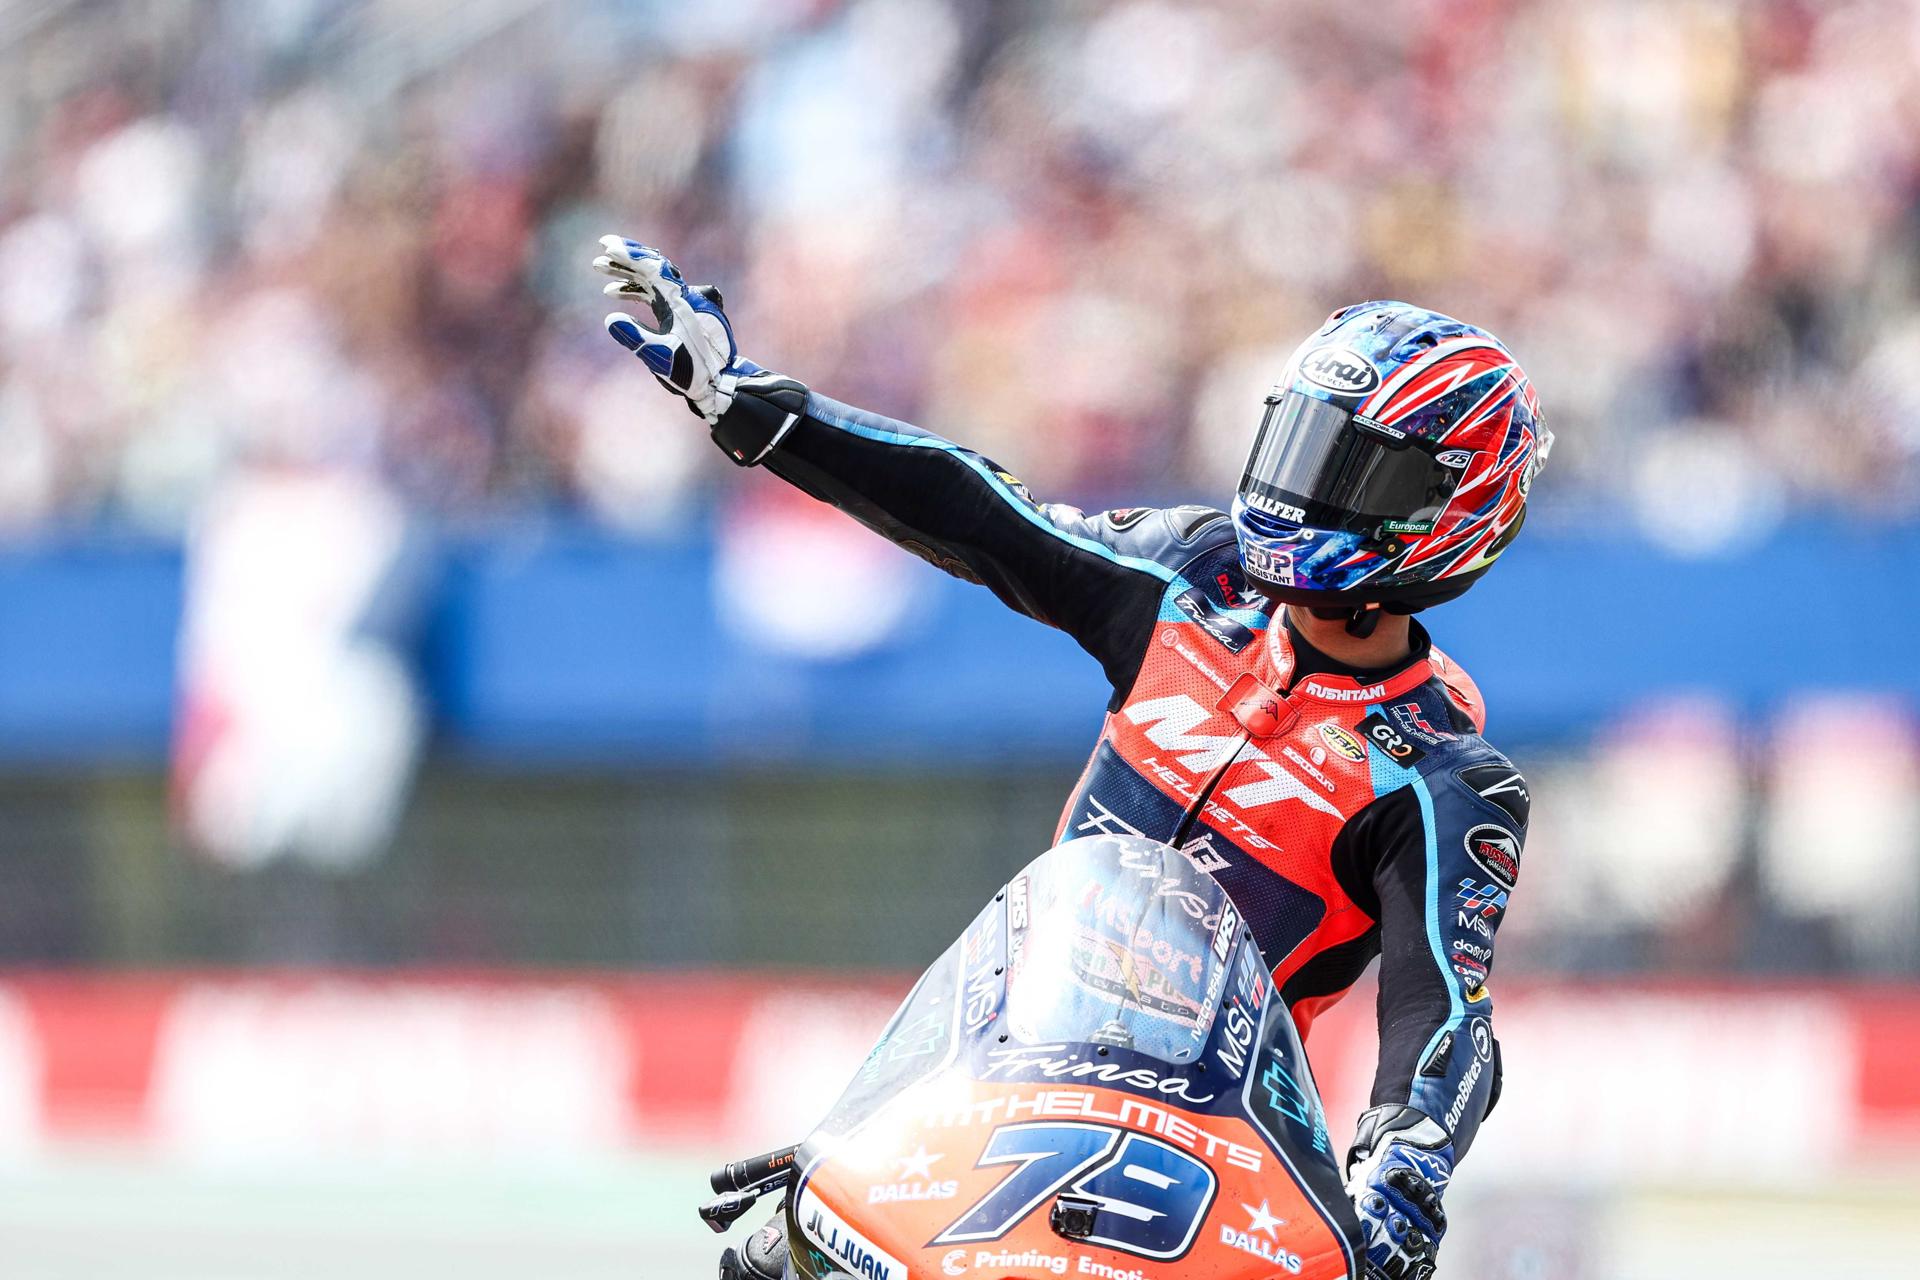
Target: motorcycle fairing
1104, 1028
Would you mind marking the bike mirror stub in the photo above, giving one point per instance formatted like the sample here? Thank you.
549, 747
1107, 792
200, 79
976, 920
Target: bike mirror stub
1073, 1217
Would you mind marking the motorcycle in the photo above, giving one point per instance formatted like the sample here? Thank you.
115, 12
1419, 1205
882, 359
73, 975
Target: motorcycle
1096, 1079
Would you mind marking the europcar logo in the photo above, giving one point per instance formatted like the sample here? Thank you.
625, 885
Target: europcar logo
1340, 369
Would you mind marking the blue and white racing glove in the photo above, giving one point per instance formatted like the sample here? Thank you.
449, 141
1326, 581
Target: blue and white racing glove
690, 346
1399, 1166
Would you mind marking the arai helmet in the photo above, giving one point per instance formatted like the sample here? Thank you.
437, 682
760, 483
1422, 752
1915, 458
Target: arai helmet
1393, 464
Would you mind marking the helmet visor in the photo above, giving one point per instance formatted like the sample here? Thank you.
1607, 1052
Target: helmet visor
1319, 465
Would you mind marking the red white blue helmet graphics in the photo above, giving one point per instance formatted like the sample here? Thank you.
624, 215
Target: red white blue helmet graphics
1393, 462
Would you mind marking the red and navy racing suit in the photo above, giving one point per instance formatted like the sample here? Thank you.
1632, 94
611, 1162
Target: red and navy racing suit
1349, 813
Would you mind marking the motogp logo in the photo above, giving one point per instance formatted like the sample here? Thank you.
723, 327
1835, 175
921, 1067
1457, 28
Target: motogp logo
1340, 369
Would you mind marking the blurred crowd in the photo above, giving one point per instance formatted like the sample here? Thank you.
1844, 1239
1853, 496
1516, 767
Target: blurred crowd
1080, 236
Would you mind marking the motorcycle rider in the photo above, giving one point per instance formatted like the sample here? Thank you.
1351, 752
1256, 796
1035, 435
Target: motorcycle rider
1277, 712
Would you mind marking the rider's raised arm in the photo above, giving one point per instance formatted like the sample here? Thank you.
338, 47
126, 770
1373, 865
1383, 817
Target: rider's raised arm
1098, 578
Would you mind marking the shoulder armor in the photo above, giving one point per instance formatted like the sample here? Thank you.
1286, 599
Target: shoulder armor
1188, 521
1492, 777
1463, 695
1169, 536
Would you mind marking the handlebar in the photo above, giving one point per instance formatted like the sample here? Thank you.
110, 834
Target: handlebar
754, 1173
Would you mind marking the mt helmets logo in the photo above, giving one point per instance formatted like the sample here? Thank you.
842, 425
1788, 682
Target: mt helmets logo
1496, 851
1340, 369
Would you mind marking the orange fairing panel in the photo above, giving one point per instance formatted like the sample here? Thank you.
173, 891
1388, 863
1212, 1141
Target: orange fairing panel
965, 1186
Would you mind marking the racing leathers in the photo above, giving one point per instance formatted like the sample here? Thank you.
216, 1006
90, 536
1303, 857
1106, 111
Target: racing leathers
1349, 814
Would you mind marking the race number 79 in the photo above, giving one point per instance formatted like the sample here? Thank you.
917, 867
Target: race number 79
1152, 1196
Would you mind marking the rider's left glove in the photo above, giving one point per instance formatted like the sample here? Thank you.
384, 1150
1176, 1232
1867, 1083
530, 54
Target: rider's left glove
1400, 1165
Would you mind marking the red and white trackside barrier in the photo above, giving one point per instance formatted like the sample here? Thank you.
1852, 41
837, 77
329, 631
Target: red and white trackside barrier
1743, 1082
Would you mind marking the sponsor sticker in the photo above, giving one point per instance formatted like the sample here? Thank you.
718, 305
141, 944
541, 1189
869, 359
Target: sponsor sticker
1399, 748
1060, 1062
1340, 369
999, 1261
1275, 566
1414, 722
853, 1252
1236, 1039
1223, 934
1232, 635
1474, 950
1496, 851
1334, 693
1342, 743
1274, 507
1465, 1091
1236, 595
897, 1192
1125, 1112
1202, 854
1485, 899
1261, 1237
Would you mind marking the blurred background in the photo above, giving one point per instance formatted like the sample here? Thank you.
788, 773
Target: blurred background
444, 806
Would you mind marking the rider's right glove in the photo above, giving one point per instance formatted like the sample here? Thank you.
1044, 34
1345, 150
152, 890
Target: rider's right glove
692, 352
762, 1257
1400, 1163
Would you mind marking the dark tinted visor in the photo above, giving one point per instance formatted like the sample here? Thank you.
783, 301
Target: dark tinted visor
1316, 464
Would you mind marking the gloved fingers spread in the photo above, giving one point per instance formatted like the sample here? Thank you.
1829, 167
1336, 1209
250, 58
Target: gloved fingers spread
640, 272
663, 353
689, 346
692, 312
644, 291
629, 259
626, 288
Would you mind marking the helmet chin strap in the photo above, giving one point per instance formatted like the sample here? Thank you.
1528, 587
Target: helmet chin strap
1360, 621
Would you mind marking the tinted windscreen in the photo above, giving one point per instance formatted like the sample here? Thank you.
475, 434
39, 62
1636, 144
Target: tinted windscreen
1118, 948
1311, 464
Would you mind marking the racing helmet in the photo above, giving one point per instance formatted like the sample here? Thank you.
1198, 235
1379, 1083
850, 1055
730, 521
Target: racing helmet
1392, 465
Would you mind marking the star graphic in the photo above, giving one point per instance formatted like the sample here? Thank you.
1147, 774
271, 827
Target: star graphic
918, 1165
1263, 1220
